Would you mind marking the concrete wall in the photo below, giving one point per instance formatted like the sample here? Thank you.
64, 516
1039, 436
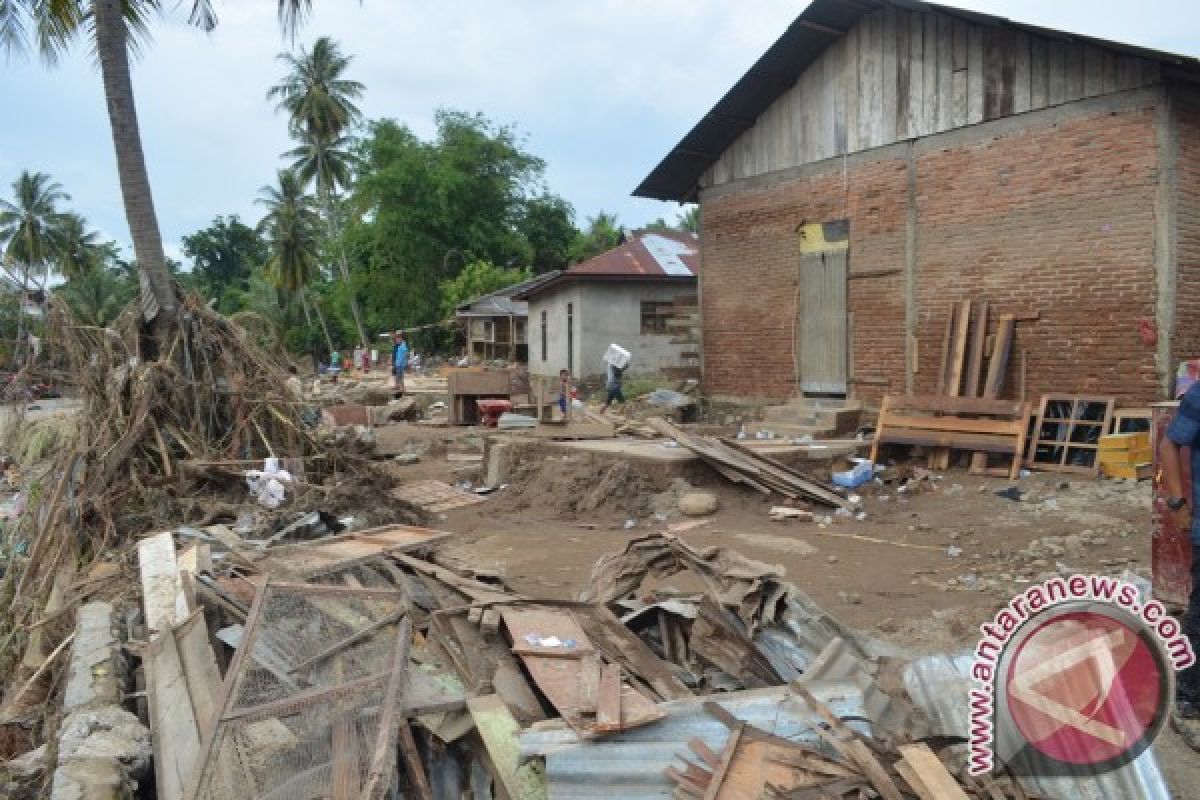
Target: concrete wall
1052, 212
604, 313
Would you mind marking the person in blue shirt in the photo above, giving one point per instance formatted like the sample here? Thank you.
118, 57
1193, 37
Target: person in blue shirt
1184, 431
399, 361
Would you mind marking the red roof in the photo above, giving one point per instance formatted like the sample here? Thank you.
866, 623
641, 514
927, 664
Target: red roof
647, 254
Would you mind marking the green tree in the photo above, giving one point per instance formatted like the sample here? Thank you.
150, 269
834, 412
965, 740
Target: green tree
478, 278
319, 101
427, 208
603, 233
98, 297
223, 256
114, 27
78, 251
548, 224
30, 223
292, 230
689, 220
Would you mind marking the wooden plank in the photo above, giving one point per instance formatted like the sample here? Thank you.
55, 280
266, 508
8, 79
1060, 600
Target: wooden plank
608, 699
958, 352
975, 358
944, 362
974, 75
414, 768
1003, 444
960, 88
344, 780
200, 669
998, 364
941, 404
1022, 71
902, 84
1093, 72
1056, 72
945, 72
928, 120
162, 589
934, 782
718, 777
870, 54
1073, 71
499, 732
589, 683
176, 735
1038, 73
958, 424
848, 88
889, 64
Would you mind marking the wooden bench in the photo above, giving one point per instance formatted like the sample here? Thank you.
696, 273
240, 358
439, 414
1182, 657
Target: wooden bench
956, 423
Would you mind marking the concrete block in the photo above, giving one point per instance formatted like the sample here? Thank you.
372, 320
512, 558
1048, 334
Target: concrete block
102, 755
95, 653
347, 414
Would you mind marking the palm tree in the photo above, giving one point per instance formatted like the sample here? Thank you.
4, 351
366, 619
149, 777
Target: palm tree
30, 224
78, 251
114, 27
320, 105
317, 99
292, 228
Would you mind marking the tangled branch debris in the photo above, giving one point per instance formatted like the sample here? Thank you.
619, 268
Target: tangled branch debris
157, 442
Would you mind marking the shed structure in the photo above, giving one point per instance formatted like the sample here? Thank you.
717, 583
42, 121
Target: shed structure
885, 159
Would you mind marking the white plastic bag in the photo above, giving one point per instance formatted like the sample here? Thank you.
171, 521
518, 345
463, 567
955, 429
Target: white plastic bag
267, 484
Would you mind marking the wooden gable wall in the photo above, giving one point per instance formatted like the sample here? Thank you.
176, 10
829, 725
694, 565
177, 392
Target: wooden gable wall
900, 74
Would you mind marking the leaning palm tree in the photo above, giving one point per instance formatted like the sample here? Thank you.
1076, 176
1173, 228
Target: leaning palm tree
113, 28
319, 102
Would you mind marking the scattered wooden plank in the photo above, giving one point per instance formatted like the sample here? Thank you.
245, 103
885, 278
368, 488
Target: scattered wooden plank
499, 731
162, 590
962, 324
176, 734
934, 782
608, 699
344, 783
589, 684
718, 776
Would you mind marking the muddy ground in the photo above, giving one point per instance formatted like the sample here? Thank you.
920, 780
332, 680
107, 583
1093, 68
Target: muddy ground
921, 571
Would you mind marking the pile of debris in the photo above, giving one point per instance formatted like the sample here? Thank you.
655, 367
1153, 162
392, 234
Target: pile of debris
366, 663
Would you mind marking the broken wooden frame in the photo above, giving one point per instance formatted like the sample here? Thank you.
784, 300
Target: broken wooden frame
341, 707
957, 423
1066, 433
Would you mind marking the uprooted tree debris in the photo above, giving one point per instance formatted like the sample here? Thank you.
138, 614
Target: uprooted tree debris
159, 442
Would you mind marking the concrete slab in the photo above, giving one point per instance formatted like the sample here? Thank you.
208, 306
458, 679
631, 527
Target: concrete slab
635, 449
92, 672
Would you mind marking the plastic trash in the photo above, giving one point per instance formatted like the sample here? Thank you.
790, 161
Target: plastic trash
630, 524
267, 484
953, 552
856, 476
668, 398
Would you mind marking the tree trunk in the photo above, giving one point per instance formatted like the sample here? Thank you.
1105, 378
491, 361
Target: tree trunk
320, 317
343, 267
159, 300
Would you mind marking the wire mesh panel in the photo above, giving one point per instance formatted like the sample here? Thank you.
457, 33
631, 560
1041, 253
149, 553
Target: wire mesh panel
305, 704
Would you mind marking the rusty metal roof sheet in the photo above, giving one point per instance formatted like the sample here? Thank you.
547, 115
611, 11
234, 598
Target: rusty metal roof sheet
775, 72
645, 255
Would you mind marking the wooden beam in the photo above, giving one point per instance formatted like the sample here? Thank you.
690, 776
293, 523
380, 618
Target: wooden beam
975, 357
608, 699
816, 26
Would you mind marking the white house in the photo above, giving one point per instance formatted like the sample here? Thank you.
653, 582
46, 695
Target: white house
640, 295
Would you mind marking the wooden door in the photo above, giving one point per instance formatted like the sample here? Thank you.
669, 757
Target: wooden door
821, 327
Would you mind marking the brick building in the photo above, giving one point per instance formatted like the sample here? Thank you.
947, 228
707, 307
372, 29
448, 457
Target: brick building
960, 155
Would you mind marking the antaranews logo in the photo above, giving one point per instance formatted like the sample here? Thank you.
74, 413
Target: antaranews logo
1073, 674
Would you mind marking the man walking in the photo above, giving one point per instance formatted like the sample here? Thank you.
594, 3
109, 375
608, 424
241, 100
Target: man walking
399, 361
1184, 431
612, 385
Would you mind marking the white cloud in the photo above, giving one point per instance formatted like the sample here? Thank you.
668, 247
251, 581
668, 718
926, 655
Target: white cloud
603, 88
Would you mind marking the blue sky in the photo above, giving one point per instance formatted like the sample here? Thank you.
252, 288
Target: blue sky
601, 88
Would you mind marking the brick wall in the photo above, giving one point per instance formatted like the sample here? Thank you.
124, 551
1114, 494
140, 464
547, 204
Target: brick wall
1056, 220
1186, 343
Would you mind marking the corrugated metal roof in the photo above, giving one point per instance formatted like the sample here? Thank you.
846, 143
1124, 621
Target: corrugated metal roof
501, 303
645, 255
939, 684
630, 764
820, 24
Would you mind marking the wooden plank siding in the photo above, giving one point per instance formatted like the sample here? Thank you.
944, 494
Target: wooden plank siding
898, 75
